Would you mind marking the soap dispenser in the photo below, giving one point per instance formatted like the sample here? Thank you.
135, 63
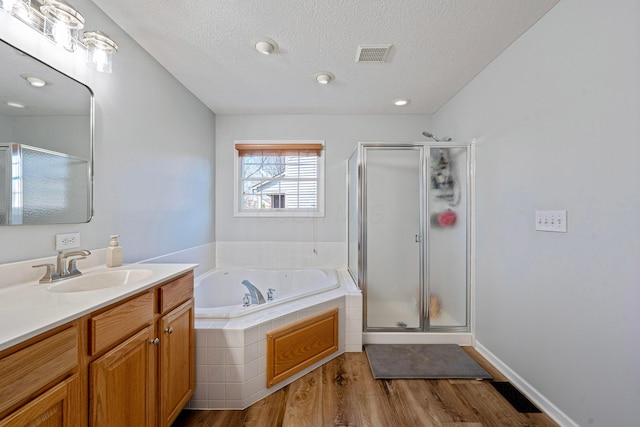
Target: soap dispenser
114, 252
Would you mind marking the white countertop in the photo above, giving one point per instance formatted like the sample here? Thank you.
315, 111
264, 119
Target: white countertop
29, 309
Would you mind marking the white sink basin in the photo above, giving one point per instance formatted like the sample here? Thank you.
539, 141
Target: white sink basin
100, 280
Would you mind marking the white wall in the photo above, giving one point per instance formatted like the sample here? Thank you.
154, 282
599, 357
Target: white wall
340, 133
557, 122
154, 152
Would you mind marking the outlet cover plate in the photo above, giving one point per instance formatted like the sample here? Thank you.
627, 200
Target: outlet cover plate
67, 241
554, 221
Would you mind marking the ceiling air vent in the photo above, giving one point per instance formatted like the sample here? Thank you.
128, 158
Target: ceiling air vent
373, 52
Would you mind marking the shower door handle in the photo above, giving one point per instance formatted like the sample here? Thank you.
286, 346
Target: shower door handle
418, 238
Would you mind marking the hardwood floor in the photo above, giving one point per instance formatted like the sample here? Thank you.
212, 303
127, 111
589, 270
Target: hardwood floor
344, 393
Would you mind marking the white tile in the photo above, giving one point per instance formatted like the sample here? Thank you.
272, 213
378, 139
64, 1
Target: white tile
215, 404
215, 391
201, 356
354, 313
251, 353
216, 373
215, 356
201, 338
198, 404
251, 387
200, 391
250, 370
233, 338
262, 366
262, 347
234, 356
215, 338
234, 404
201, 373
263, 328
250, 335
233, 374
233, 391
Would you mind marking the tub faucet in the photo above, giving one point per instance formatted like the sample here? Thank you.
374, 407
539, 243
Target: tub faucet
270, 294
255, 294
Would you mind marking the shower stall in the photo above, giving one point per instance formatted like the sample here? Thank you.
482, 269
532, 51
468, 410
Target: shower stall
409, 225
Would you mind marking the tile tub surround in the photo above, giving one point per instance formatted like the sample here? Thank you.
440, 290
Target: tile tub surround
231, 355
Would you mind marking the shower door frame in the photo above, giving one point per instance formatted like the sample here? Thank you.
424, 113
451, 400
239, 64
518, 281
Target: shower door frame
362, 228
469, 194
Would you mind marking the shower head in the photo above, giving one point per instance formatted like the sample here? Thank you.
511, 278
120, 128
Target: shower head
435, 138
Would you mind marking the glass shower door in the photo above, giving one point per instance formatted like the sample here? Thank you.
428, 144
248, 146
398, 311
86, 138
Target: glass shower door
393, 239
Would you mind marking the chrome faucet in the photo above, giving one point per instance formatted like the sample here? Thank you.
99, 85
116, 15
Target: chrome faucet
61, 270
254, 293
270, 294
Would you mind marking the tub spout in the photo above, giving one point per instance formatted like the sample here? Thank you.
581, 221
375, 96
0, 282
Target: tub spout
256, 295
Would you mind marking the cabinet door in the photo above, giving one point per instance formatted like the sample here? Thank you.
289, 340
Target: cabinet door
122, 384
176, 361
50, 409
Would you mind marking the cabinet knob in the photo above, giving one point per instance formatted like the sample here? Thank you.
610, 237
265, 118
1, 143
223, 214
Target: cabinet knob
155, 341
169, 330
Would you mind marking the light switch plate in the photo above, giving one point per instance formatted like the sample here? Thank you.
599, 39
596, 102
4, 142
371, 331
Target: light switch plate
67, 241
555, 221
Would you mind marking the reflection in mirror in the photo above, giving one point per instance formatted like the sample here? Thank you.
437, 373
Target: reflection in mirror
46, 143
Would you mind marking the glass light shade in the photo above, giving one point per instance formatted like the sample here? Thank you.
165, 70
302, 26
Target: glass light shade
7, 5
62, 23
100, 50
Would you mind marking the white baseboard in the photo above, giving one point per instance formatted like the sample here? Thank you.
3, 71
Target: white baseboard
527, 389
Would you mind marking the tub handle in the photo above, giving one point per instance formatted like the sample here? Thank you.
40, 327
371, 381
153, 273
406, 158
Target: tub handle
246, 300
169, 330
270, 294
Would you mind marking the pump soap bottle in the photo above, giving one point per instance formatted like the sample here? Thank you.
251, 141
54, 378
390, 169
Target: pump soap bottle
114, 252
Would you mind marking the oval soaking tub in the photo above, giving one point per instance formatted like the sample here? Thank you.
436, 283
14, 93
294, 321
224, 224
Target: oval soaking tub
219, 293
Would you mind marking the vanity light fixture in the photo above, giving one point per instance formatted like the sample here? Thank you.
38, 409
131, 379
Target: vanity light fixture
265, 45
324, 77
100, 50
61, 23
7, 5
401, 102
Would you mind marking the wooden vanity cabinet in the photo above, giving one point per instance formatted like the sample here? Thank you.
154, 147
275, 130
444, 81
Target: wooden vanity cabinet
146, 375
39, 381
177, 349
128, 364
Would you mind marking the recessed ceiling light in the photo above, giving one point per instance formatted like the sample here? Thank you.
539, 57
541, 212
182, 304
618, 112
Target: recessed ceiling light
265, 45
324, 77
401, 102
15, 104
35, 82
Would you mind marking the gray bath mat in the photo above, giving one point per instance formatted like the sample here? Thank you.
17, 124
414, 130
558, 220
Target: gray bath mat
428, 361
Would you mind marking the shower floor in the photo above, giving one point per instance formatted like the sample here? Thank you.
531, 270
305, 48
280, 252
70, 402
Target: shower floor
402, 315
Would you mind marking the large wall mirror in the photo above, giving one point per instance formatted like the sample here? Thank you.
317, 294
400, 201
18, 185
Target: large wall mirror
46, 143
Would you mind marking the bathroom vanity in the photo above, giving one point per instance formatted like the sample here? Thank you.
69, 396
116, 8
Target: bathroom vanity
126, 358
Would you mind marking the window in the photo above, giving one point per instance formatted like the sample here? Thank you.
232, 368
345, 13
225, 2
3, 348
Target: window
279, 178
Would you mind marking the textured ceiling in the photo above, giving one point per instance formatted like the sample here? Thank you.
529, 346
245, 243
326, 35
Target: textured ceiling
438, 47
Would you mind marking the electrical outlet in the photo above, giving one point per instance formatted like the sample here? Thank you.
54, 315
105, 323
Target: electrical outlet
555, 221
67, 241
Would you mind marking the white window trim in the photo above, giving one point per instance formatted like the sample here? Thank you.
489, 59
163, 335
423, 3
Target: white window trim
282, 213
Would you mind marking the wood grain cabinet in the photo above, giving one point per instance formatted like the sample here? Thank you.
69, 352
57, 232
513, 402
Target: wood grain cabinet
176, 361
128, 364
38, 379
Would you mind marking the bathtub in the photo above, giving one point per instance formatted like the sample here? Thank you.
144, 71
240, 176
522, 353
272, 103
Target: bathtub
218, 293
